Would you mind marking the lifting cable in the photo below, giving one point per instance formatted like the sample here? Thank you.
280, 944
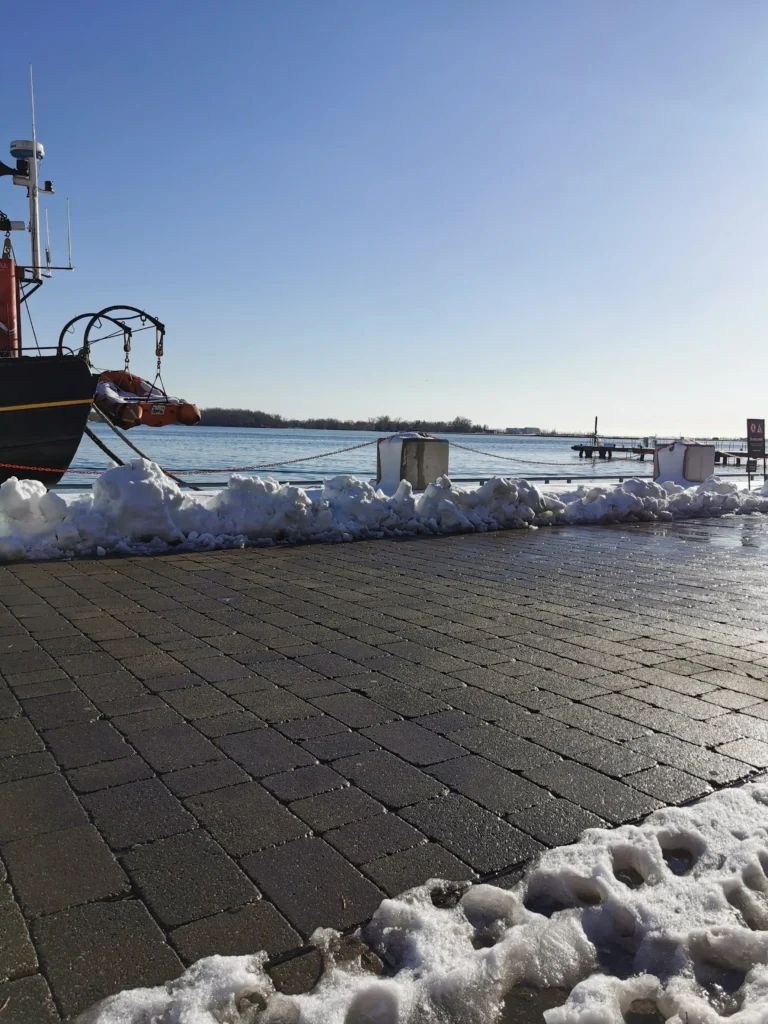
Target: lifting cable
100, 444
130, 444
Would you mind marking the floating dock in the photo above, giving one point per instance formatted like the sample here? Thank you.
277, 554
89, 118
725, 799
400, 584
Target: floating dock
607, 451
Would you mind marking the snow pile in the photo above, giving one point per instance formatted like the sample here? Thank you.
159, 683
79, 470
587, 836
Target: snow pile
136, 509
669, 914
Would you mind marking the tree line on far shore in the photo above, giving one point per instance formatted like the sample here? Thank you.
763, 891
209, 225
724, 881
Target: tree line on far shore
384, 424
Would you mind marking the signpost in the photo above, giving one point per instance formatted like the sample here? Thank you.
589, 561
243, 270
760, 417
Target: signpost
755, 446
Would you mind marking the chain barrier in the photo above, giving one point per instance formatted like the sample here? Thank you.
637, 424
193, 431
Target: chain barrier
48, 469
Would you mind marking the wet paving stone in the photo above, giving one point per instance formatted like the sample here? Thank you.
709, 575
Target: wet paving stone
670, 785
63, 869
17, 954
304, 782
76, 746
388, 779
413, 743
18, 736
400, 871
313, 885
136, 813
404, 700
361, 841
275, 705
695, 760
203, 778
35, 806
330, 810
297, 975
59, 709
340, 744
200, 702
109, 773
489, 785
481, 839
187, 877
347, 721
174, 746
26, 1000
354, 709
25, 766
556, 822
605, 797
499, 746
245, 818
264, 752
236, 932
120, 943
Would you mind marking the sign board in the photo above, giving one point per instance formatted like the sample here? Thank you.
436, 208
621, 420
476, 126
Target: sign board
755, 439
751, 466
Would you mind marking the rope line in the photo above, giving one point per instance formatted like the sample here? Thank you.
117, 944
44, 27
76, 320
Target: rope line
277, 465
192, 472
302, 459
366, 444
528, 462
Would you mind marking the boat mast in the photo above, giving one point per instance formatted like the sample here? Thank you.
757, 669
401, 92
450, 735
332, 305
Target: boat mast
33, 191
28, 153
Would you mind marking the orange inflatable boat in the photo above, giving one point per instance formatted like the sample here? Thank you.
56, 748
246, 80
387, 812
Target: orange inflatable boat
130, 401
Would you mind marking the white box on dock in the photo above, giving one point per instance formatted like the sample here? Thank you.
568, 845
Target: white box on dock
683, 463
418, 458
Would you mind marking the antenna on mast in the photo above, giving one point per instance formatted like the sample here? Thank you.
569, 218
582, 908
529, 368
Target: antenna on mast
47, 246
31, 152
69, 238
28, 153
32, 101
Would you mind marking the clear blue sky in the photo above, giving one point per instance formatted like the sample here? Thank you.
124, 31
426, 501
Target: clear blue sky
521, 211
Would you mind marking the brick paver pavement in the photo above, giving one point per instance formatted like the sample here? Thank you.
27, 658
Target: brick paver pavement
220, 752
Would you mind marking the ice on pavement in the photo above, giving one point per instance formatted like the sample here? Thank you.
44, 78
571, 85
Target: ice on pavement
670, 915
136, 509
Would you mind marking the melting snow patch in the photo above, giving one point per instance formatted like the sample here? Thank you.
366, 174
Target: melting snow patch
668, 918
136, 509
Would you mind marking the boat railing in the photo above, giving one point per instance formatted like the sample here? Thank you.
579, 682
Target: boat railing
36, 350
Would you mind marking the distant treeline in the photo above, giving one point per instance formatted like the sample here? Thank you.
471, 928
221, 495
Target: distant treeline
383, 424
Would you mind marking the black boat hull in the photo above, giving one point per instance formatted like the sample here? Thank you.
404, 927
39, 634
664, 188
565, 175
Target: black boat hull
44, 406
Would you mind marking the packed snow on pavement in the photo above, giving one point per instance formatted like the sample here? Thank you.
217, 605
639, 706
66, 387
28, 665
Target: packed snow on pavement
666, 918
137, 509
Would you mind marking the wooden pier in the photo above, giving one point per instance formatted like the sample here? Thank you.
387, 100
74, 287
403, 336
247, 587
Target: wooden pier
607, 451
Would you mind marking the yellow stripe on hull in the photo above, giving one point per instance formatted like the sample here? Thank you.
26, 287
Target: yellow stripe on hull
45, 405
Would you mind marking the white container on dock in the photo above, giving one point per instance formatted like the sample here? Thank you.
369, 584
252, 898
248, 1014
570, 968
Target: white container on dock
418, 458
684, 463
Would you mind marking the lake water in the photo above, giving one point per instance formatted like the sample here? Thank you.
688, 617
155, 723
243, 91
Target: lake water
225, 448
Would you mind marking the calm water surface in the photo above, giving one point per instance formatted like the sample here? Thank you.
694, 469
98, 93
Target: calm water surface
223, 448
